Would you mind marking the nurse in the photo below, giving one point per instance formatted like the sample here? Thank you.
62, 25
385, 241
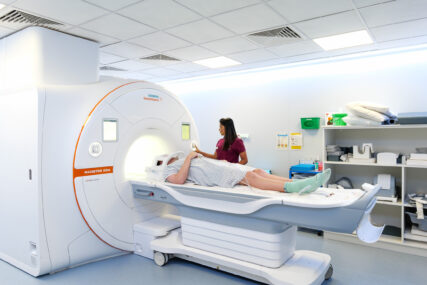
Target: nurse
230, 147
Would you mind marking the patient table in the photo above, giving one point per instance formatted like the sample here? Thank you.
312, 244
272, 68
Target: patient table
251, 232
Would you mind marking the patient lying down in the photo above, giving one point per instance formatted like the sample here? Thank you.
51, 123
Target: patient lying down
209, 172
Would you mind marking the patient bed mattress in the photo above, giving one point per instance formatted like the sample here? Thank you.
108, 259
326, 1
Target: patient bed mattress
321, 198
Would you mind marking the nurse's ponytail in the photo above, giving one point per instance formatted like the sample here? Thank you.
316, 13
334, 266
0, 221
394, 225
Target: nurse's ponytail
230, 132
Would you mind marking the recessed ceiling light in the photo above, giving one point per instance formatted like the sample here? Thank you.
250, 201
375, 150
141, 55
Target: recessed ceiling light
344, 40
2, 6
216, 62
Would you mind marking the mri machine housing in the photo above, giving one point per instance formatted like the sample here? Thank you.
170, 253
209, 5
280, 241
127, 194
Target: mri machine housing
64, 199
42, 228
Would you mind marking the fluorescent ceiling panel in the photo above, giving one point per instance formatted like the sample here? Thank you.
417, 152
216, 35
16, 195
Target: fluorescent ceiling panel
217, 62
2, 6
344, 40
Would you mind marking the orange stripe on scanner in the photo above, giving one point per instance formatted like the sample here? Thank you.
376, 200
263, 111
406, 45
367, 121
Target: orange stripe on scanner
77, 170
92, 171
151, 99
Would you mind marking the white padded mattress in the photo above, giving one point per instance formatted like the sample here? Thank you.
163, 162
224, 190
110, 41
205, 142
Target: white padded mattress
321, 198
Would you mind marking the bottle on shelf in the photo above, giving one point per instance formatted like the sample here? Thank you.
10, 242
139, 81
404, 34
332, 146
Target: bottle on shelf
320, 165
316, 164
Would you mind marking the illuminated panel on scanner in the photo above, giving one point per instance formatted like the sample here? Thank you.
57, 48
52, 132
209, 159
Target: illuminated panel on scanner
185, 131
109, 130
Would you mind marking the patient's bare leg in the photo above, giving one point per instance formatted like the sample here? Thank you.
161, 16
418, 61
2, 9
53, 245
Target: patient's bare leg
260, 182
271, 177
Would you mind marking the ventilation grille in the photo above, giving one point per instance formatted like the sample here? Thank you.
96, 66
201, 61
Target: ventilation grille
160, 57
283, 32
16, 17
110, 68
275, 37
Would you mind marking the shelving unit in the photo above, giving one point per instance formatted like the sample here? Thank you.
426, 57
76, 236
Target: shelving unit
409, 178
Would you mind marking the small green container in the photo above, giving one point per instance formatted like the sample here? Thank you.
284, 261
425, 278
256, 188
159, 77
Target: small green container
337, 119
310, 123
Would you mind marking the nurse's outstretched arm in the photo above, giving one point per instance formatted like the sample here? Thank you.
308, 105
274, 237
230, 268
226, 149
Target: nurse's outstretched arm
181, 176
213, 156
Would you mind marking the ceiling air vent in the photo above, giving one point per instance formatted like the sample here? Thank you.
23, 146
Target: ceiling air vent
17, 19
277, 36
110, 68
160, 57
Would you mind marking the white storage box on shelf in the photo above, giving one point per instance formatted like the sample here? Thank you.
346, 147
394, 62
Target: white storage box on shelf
387, 158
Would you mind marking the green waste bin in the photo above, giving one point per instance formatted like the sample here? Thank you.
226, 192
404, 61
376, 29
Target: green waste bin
310, 123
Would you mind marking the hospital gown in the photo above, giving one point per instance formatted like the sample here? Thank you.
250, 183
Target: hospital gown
210, 172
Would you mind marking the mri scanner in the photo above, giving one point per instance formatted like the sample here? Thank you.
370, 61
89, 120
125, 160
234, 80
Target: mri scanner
73, 188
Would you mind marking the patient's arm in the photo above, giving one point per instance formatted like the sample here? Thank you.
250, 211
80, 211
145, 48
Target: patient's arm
181, 176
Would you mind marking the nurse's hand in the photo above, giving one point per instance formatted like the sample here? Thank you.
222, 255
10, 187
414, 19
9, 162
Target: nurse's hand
196, 149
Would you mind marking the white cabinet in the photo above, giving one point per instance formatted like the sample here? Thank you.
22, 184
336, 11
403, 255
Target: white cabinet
409, 179
20, 177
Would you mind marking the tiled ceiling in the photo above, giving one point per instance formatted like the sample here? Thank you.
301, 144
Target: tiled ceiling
190, 30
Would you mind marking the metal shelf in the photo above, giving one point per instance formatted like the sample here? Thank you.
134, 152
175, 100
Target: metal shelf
376, 164
398, 203
382, 127
392, 213
363, 164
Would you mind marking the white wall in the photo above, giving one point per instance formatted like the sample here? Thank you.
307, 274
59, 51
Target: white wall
264, 103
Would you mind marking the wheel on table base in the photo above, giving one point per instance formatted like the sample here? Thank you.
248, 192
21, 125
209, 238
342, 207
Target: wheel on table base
329, 273
160, 258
